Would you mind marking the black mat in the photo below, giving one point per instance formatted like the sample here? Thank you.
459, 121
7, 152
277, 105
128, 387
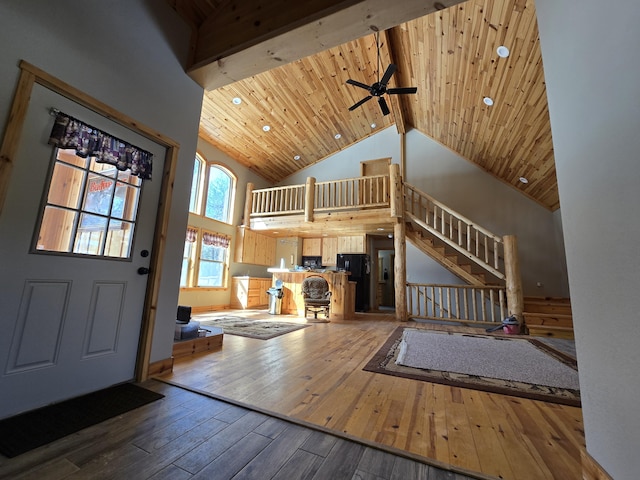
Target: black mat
33, 429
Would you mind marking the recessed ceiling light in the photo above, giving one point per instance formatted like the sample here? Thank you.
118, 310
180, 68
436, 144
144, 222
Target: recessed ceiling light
488, 101
373, 125
297, 157
266, 128
380, 229
503, 51
337, 136
390, 236
523, 180
237, 101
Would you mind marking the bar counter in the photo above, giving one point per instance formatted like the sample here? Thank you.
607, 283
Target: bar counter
342, 293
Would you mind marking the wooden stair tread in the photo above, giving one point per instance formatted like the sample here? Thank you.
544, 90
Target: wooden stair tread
550, 331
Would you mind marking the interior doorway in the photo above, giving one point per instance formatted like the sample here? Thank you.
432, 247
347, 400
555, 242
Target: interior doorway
385, 293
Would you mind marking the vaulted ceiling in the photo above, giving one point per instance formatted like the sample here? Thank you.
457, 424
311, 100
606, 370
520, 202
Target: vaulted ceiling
289, 71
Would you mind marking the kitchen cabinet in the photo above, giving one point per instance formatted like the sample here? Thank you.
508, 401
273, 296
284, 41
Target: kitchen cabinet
352, 244
311, 247
329, 251
255, 248
249, 292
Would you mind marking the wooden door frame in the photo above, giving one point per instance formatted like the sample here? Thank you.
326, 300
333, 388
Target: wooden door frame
31, 75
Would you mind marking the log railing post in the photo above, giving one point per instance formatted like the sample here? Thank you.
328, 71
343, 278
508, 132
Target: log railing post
400, 269
399, 242
396, 202
309, 195
515, 299
248, 201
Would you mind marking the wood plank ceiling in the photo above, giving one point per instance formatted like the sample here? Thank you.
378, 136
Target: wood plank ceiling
450, 55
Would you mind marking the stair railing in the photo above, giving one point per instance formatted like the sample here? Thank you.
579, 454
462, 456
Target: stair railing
471, 240
460, 303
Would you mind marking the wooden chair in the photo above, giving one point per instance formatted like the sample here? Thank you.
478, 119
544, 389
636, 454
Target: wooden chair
316, 295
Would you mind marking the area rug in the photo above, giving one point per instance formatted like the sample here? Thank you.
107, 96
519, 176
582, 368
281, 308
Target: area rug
522, 367
242, 327
33, 429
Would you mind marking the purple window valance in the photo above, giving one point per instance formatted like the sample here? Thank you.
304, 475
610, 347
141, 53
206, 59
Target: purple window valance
215, 240
192, 234
68, 132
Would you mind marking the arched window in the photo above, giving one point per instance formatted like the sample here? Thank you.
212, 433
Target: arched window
221, 189
196, 186
213, 190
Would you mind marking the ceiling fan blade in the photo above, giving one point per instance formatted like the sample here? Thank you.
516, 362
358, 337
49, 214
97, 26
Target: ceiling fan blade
356, 105
383, 106
358, 84
402, 90
387, 74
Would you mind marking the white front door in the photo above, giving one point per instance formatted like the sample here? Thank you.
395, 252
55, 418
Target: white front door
69, 324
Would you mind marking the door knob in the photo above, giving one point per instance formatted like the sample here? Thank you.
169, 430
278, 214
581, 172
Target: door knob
143, 271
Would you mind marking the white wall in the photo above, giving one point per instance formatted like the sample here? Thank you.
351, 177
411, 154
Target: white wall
346, 163
130, 55
592, 69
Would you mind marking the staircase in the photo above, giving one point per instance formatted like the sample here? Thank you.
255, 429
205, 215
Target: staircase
548, 317
469, 251
454, 261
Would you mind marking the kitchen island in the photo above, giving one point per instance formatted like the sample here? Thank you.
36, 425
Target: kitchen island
342, 292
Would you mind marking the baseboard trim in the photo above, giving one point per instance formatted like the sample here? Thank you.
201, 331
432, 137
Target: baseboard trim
161, 367
209, 308
592, 470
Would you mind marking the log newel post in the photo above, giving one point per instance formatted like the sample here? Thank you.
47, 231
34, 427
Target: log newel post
515, 299
248, 201
399, 243
395, 184
309, 194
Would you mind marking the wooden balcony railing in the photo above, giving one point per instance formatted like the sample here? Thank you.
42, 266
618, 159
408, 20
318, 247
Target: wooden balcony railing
350, 193
345, 194
460, 303
288, 200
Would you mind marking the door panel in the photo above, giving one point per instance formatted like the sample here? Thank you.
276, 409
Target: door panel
71, 324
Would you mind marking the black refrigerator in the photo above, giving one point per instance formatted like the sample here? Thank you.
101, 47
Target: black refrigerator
359, 265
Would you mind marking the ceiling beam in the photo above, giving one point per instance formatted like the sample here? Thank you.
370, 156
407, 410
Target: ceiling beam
226, 52
388, 56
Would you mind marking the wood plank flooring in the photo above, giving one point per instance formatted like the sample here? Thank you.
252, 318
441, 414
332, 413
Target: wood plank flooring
190, 436
315, 375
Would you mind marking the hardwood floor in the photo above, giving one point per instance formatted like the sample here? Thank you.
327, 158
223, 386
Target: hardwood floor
315, 375
187, 435
345, 423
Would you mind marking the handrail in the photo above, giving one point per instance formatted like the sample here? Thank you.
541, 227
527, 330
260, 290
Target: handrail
473, 241
459, 303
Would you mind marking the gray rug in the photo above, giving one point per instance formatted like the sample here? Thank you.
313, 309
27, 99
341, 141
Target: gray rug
261, 329
478, 362
506, 358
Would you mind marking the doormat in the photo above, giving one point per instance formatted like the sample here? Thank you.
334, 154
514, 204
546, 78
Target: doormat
30, 430
452, 359
260, 329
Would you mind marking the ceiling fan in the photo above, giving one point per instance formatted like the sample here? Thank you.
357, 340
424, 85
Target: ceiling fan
379, 88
